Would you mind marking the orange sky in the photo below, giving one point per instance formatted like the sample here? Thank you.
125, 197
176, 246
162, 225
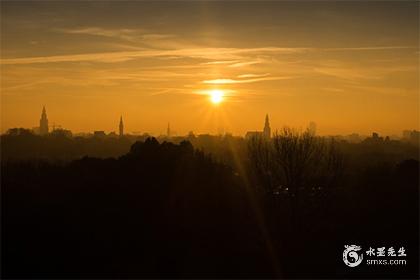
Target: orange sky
348, 66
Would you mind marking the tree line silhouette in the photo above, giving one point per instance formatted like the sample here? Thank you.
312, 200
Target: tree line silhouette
207, 207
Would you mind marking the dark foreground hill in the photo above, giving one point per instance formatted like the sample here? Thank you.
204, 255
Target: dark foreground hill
168, 211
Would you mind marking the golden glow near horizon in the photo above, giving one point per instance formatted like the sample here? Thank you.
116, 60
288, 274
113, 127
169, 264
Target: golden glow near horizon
348, 66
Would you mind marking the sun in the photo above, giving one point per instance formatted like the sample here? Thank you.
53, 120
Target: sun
216, 96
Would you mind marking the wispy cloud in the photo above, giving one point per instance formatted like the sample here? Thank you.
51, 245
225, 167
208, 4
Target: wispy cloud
235, 56
253, 75
126, 34
350, 74
384, 90
245, 63
244, 81
353, 73
371, 48
226, 92
130, 36
220, 62
203, 53
157, 36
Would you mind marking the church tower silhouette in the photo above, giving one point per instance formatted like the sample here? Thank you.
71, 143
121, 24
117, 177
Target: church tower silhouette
121, 127
168, 131
43, 123
267, 129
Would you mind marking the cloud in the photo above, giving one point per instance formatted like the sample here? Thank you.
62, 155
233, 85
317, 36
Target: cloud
220, 62
375, 48
384, 90
133, 36
203, 53
350, 74
246, 63
219, 55
126, 34
362, 73
157, 36
253, 75
226, 92
233, 81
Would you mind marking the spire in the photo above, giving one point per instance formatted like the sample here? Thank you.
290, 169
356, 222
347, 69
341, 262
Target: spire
43, 122
168, 131
121, 127
267, 129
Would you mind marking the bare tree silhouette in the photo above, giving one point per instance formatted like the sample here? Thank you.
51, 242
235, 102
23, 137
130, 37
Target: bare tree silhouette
296, 165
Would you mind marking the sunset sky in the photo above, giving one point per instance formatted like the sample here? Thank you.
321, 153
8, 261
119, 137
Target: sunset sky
348, 66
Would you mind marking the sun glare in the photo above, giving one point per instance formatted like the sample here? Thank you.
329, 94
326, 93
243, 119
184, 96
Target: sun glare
216, 96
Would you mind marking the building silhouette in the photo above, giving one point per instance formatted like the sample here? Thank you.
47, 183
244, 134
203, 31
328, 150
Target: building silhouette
60, 132
266, 133
121, 127
412, 136
43, 123
99, 134
267, 129
312, 128
168, 131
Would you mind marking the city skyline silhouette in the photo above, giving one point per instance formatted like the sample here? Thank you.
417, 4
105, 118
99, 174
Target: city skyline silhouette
43, 129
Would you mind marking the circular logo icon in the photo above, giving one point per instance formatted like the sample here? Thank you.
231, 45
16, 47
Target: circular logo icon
351, 255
